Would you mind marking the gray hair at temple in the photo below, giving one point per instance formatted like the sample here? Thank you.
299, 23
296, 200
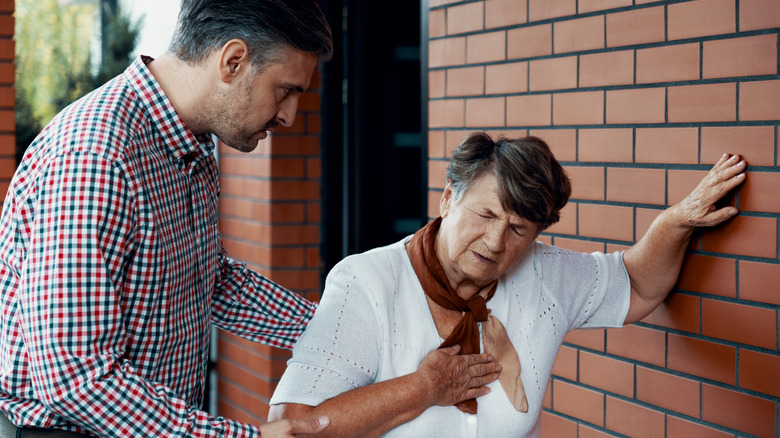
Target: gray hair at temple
530, 180
266, 26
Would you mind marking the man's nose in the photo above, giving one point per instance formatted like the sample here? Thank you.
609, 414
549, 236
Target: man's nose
286, 114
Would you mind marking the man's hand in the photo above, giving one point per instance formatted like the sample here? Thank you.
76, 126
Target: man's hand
292, 428
453, 378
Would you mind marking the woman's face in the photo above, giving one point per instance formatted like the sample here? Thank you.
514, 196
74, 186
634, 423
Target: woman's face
478, 240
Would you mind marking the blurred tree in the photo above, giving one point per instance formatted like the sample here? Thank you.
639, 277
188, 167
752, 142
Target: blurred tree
54, 59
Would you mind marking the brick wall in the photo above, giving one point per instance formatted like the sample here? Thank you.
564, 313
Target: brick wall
637, 99
7, 97
270, 219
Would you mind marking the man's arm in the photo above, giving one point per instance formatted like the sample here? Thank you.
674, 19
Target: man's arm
442, 379
654, 263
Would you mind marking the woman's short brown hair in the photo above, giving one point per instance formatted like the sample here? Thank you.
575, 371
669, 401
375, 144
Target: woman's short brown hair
530, 180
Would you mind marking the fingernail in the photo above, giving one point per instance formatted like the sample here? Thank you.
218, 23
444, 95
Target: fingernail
324, 421
741, 163
732, 212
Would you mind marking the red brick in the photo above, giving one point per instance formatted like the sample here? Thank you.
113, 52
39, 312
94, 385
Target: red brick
578, 245
7, 73
587, 432
568, 221
667, 63
585, 6
751, 236
747, 56
7, 144
313, 212
578, 402
758, 100
703, 103
247, 406
607, 222
486, 47
290, 145
465, 18
702, 358
606, 145
758, 14
486, 112
296, 280
742, 412
605, 373
609, 68
638, 343
506, 78
527, 42
433, 203
645, 186
436, 144
566, 363
668, 391
759, 192
679, 428
758, 281
246, 380
446, 113
545, 9
636, 27
446, 52
553, 74
562, 142
588, 338
754, 370
587, 182
682, 182
578, 108
437, 83
499, 13
644, 105
739, 323
7, 49
634, 420
437, 23
466, 81
555, 426
678, 311
437, 172
434, 3
7, 120
667, 145
710, 275
756, 144
701, 18
530, 110
579, 35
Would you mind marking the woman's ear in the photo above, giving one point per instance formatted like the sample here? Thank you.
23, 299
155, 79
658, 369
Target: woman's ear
446, 200
233, 59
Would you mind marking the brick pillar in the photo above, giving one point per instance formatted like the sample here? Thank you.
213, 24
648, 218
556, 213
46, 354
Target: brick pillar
270, 219
637, 100
7, 97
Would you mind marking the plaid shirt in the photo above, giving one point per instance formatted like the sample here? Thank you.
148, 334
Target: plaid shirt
112, 270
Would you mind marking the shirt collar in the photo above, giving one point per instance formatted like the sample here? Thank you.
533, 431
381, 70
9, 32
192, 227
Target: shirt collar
177, 140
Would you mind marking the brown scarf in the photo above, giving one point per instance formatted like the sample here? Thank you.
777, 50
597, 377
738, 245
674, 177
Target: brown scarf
437, 287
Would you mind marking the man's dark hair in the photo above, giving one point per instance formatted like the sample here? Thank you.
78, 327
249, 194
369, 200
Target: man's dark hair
530, 180
266, 26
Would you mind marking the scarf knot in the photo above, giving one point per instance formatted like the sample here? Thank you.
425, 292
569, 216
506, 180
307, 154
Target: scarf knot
478, 308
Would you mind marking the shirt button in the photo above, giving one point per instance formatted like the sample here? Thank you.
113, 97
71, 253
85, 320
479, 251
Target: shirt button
197, 241
177, 154
472, 419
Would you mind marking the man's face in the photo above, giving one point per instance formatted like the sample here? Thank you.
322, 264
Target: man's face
260, 102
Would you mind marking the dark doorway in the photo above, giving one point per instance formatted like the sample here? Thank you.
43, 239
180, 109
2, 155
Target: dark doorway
373, 174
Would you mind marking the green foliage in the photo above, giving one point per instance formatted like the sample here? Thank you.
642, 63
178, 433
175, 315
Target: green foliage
54, 62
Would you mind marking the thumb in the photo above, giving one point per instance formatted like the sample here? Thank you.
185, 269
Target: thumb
309, 425
452, 350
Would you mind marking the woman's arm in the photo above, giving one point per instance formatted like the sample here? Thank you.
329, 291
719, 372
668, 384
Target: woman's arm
654, 263
443, 378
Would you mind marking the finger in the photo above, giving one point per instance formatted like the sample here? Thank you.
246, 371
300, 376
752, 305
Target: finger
476, 359
474, 393
309, 426
452, 350
477, 381
484, 369
719, 216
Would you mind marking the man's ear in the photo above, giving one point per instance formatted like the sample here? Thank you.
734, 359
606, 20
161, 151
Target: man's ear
233, 60
446, 200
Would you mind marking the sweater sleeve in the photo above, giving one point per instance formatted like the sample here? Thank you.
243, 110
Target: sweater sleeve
340, 349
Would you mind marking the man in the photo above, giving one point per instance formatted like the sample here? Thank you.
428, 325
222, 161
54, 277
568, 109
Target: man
111, 265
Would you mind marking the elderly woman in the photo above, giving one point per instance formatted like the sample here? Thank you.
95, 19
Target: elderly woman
477, 278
